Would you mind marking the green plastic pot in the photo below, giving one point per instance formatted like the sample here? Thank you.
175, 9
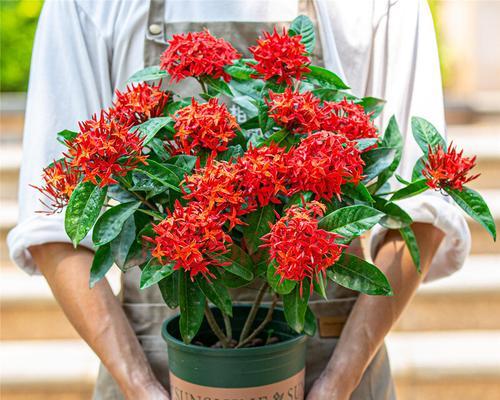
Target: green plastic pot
266, 372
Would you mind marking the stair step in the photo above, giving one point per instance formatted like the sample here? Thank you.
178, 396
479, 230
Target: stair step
468, 299
446, 365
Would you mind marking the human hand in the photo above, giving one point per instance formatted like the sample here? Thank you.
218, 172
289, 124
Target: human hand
150, 391
326, 388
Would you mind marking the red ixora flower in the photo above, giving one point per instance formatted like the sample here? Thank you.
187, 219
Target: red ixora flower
190, 237
298, 247
59, 181
103, 148
295, 111
197, 54
262, 173
323, 162
348, 119
139, 103
208, 126
217, 187
448, 169
280, 56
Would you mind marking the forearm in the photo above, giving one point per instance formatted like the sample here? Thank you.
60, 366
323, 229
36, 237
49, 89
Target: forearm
373, 316
95, 313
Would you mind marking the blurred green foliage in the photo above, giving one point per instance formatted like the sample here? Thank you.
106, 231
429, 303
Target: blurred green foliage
18, 19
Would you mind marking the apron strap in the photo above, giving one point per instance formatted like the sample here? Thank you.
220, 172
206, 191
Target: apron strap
155, 30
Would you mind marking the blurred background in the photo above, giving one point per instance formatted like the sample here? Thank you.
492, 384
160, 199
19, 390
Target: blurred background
447, 345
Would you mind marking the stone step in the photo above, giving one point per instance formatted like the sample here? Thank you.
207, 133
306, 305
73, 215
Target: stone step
469, 299
444, 366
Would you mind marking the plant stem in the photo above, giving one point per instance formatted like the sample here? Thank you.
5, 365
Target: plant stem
215, 327
253, 312
262, 325
227, 325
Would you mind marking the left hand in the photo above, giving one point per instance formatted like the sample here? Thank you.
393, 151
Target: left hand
326, 389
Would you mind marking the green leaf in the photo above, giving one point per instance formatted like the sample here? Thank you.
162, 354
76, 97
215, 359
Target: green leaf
295, 307
240, 69
169, 289
395, 217
265, 122
276, 137
324, 78
319, 285
393, 140
217, 293
257, 226
158, 147
148, 74
474, 205
83, 209
66, 135
154, 272
219, 86
161, 173
101, 264
330, 94
120, 246
411, 242
357, 192
233, 281
241, 263
183, 161
418, 168
232, 153
152, 126
251, 123
192, 307
410, 190
372, 105
284, 287
350, 221
365, 143
310, 324
357, 274
426, 134
110, 224
304, 27
377, 161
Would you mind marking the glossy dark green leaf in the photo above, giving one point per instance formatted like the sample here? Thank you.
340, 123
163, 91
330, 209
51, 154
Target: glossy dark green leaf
154, 272
148, 74
257, 226
183, 161
232, 153
265, 122
277, 137
219, 86
251, 123
324, 78
310, 324
395, 217
365, 143
192, 307
101, 264
377, 161
474, 205
274, 280
304, 27
241, 263
217, 293
158, 147
331, 94
418, 168
392, 139
66, 135
351, 221
410, 190
240, 69
319, 285
169, 289
411, 242
295, 307
83, 209
372, 105
357, 192
151, 127
357, 274
426, 134
120, 246
161, 173
110, 224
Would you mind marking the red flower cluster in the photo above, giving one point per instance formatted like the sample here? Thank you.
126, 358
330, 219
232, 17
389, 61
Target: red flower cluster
300, 249
262, 173
448, 169
191, 237
348, 119
217, 187
103, 148
203, 126
280, 56
197, 54
323, 162
59, 181
295, 111
140, 103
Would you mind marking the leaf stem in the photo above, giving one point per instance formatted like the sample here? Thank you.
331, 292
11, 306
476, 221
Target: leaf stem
214, 326
227, 326
253, 312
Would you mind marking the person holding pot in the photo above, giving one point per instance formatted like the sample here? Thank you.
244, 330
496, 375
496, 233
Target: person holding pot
85, 50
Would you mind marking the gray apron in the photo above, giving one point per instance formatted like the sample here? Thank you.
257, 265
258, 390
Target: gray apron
146, 310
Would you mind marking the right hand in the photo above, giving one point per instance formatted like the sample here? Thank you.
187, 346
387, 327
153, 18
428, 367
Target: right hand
152, 391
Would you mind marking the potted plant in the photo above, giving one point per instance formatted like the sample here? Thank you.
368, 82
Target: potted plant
204, 205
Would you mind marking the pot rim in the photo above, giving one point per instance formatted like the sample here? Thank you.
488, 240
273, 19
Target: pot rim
266, 349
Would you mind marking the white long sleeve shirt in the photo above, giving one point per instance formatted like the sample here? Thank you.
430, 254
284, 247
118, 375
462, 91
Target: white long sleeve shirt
85, 49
